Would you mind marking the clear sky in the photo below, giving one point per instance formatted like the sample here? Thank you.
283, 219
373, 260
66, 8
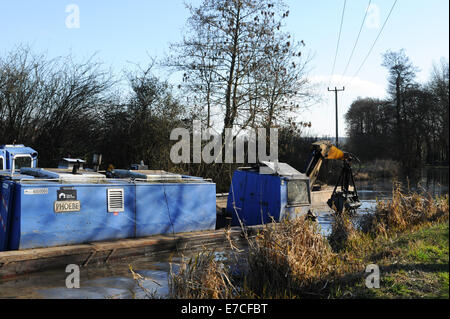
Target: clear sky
124, 32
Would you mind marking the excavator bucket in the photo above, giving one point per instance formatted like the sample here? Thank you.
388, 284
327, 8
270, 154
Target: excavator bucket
340, 201
346, 198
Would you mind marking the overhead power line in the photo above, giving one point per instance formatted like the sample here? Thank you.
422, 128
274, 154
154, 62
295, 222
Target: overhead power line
356, 42
339, 38
374, 42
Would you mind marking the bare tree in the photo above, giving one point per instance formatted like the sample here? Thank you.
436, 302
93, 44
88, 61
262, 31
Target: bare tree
401, 76
439, 88
20, 87
52, 105
235, 58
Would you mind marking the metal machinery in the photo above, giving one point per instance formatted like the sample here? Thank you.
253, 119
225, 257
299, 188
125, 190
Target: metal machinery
321, 150
71, 205
344, 198
267, 192
345, 195
271, 191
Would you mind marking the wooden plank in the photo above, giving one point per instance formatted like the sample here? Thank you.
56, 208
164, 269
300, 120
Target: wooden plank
14, 263
39, 253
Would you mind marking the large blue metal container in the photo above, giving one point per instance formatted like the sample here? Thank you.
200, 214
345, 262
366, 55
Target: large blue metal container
36, 222
148, 208
54, 207
258, 197
7, 192
163, 208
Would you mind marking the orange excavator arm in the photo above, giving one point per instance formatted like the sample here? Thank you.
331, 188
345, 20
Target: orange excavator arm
321, 150
345, 198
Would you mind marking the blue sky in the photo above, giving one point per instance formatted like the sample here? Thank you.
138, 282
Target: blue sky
124, 32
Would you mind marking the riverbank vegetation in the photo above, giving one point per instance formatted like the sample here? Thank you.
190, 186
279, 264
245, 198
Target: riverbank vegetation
379, 168
410, 126
407, 238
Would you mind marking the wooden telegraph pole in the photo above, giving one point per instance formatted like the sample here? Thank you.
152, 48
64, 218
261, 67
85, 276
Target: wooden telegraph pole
336, 96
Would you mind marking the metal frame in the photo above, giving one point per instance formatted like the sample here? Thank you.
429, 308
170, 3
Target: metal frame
13, 168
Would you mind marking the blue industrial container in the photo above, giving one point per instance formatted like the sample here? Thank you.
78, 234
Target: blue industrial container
7, 192
268, 193
47, 213
162, 208
55, 207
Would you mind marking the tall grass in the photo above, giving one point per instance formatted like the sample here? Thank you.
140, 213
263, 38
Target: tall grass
291, 259
342, 231
286, 259
203, 276
405, 211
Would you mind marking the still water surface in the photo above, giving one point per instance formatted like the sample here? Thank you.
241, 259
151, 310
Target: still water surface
116, 281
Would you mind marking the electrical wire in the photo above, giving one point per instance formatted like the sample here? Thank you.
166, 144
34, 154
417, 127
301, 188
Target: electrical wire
373, 45
337, 48
339, 39
356, 42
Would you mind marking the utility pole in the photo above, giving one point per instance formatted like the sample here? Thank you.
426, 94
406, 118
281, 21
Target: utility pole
336, 96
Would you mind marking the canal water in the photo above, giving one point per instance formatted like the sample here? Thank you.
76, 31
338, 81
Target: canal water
116, 280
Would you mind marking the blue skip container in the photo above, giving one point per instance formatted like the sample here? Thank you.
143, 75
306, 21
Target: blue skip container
267, 193
47, 214
66, 206
163, 208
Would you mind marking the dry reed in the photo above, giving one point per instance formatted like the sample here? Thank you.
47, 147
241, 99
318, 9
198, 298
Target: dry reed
292, 259
203, 276
285, 259
405, 211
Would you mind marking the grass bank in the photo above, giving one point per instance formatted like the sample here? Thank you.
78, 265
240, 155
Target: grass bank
412, 264
407, 238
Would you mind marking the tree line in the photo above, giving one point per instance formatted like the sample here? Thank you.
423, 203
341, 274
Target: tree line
238, 69
66, 108
409, 126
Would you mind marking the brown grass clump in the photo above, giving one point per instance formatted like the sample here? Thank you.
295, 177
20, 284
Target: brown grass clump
286, 258
201, 277
405, 211
139, 279
341, 232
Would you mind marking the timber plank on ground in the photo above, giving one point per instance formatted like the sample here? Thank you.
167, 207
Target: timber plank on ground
19, 262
